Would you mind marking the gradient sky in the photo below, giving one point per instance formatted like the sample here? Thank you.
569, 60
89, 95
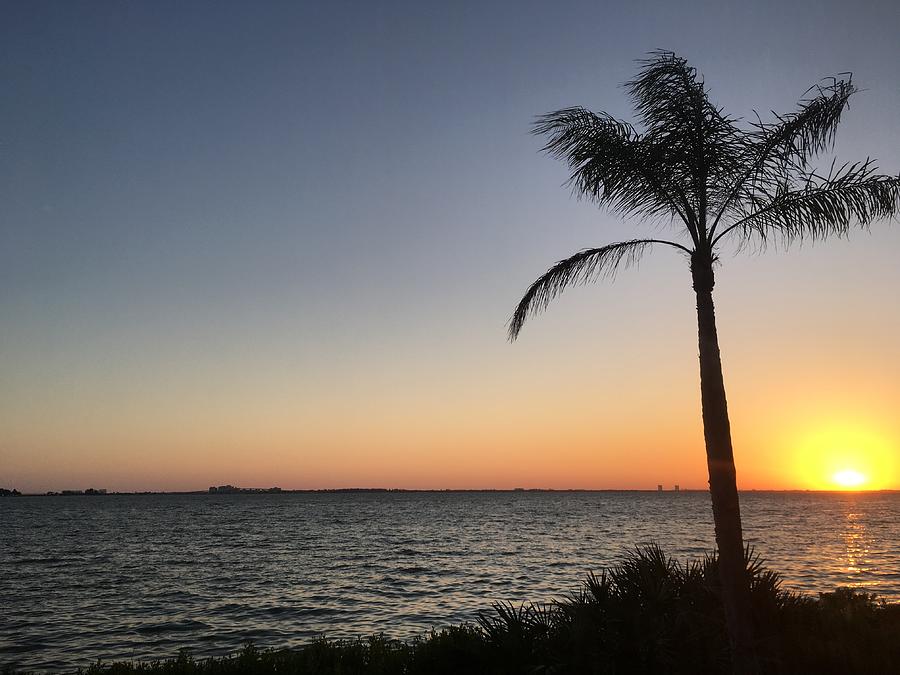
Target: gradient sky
278, 244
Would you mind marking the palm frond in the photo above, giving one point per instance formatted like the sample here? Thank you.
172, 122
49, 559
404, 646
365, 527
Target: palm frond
776, 151
797, 137
824, 206
610, 163
666, 92
703, 146
587, 265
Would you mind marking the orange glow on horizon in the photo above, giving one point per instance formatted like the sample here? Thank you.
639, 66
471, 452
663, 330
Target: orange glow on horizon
846, 455
604, 426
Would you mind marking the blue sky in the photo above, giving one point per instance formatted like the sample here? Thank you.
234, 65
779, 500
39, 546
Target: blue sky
211, 211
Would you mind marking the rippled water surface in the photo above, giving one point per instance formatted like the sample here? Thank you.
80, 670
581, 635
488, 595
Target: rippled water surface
134, 577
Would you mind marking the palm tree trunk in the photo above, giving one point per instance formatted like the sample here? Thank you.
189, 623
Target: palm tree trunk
722, 476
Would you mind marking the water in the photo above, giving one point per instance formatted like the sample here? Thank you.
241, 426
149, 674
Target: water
136, 577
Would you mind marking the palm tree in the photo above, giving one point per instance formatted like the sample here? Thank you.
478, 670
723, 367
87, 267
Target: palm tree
718, 182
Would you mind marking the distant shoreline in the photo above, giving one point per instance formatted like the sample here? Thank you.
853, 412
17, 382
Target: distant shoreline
263, 491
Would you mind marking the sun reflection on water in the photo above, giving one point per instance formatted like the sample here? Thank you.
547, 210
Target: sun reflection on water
857, 543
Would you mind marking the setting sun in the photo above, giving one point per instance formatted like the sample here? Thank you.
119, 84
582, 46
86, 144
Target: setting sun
848, 478
850, 454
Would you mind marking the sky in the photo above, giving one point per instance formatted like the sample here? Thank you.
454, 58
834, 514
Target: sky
278, 244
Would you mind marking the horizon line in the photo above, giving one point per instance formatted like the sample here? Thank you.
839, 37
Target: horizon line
100, 492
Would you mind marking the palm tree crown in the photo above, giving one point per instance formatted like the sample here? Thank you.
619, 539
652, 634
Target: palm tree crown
699, 168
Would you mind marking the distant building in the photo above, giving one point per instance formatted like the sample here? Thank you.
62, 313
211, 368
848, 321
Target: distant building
95, 491
659, 488
677, 488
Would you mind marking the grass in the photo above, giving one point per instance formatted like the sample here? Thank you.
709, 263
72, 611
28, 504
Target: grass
649, 614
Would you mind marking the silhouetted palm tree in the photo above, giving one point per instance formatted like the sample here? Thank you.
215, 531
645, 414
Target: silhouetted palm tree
722, 183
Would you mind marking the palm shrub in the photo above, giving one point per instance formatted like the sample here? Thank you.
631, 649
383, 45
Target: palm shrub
653, 614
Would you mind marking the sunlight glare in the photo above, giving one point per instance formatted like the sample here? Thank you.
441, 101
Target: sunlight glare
848, 454
848, 478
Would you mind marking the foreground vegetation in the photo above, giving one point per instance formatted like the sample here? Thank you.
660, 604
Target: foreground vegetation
650, 614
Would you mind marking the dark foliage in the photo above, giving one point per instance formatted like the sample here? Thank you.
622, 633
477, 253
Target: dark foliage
712, 177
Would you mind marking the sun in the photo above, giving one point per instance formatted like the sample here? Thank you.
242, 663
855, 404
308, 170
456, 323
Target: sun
844, 455
848, 478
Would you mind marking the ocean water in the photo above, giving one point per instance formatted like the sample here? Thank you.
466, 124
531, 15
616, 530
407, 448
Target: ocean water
138, 577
